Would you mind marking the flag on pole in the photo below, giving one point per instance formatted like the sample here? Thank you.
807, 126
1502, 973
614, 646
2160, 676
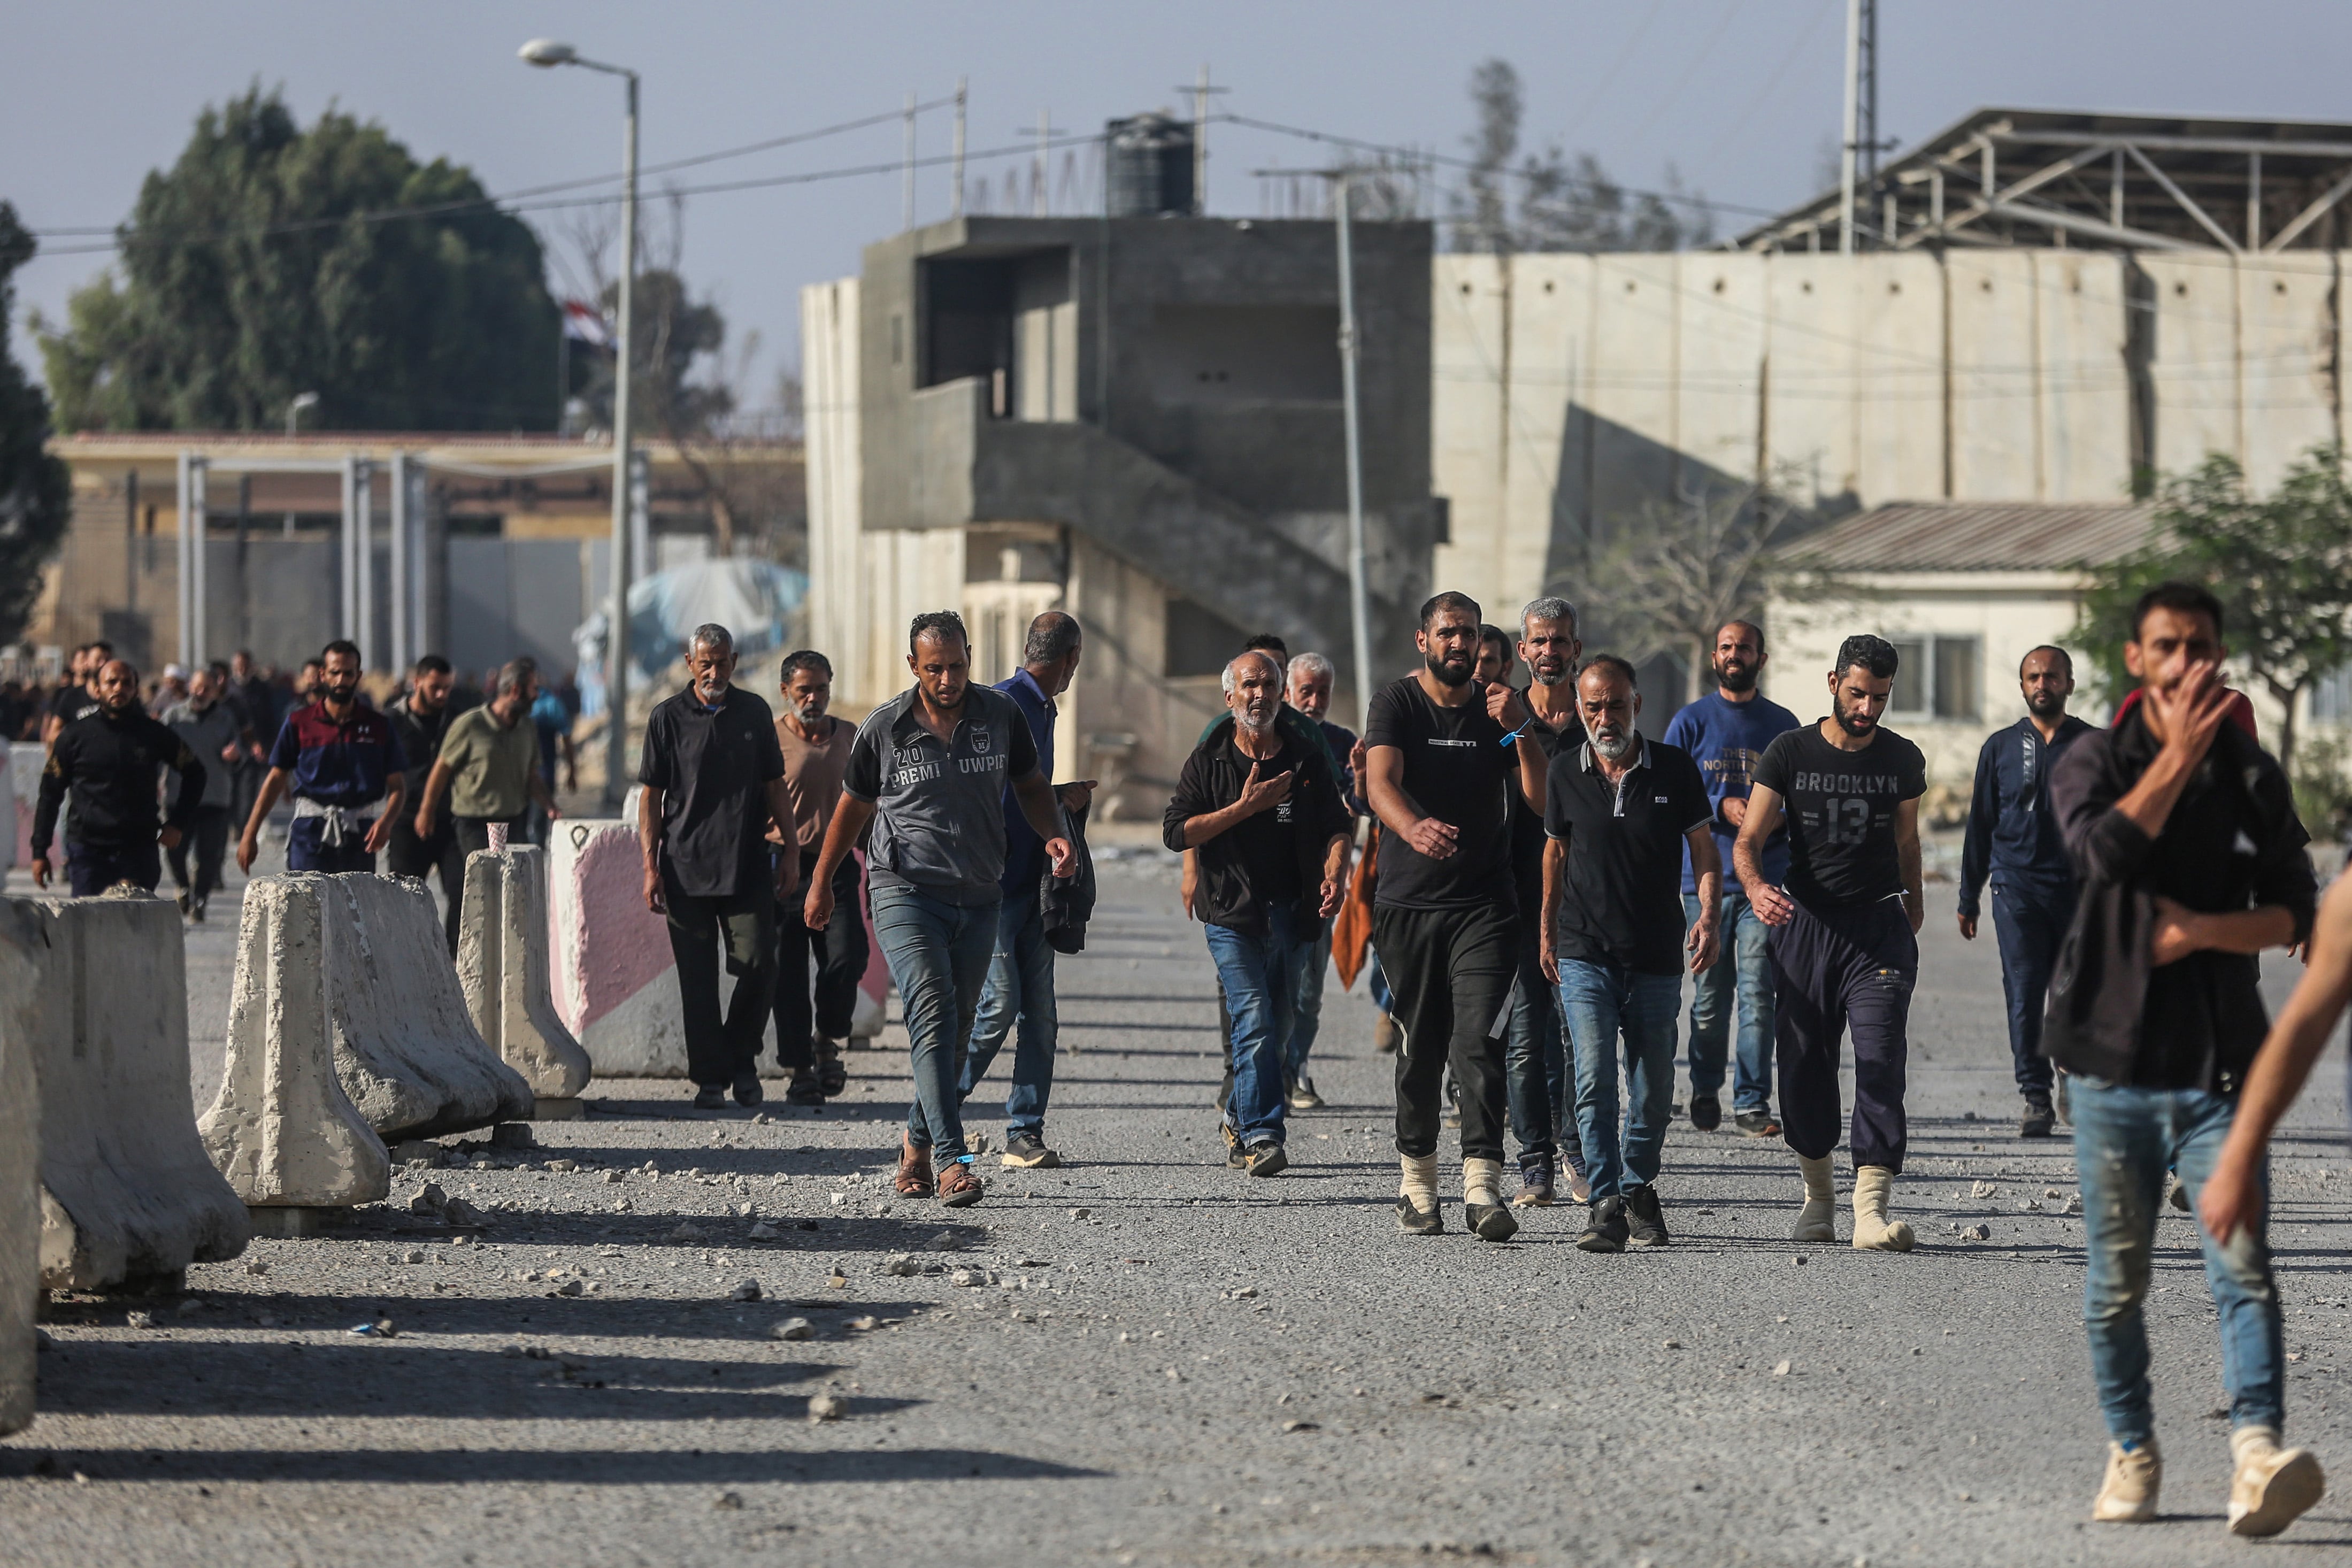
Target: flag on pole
585, 323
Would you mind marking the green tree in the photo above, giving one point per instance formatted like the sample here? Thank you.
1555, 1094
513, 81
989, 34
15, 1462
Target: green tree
36, 490
272, 261
2280, 564
672, 331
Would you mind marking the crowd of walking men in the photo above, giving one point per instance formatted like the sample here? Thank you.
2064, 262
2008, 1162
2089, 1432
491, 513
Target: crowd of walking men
2135, 872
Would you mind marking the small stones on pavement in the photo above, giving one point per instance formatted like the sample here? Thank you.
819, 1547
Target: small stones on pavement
727, 1501
745, 1290
827, 1407
1671, 1345
1977, 1232
902, 1266
792, 1328
254, 1266
762, 1231
1082, 1213
428, 1199
863, 1325
1781, 1369
458, 1211
138, 1319
945, 1241
1983, 1190
1302, 1426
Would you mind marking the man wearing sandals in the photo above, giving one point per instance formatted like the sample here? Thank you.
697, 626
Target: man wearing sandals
817, 752
929, 770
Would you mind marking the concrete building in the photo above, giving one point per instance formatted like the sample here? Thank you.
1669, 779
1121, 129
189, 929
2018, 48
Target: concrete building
479, 547
1136, 419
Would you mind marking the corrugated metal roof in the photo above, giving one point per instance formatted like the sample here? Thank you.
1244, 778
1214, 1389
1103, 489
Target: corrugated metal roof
1978, 536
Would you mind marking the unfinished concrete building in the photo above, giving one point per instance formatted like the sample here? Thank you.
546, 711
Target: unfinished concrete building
1134, 418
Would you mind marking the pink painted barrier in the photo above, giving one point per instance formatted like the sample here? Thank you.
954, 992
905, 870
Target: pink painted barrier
21, 784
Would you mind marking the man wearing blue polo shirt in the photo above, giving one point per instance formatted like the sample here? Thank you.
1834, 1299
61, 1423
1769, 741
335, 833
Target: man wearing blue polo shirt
1018, 998
1726, 732
339, 759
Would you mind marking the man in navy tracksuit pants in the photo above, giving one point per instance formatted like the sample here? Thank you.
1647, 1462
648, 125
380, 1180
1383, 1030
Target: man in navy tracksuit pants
2015, 841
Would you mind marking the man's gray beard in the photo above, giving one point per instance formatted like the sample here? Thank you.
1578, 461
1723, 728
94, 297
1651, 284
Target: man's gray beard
807, 713
1610, 750
1557, 678
1256, 726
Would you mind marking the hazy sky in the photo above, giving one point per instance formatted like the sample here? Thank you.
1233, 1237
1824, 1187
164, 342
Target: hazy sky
1740, 95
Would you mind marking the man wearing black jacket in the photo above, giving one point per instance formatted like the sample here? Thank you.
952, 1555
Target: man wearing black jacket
2013, 840
1264, 812
2191, 859
106, 760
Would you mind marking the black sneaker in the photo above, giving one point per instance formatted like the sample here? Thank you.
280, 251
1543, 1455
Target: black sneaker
1236, 1157
710, 1097
1303, 1096
183, 901
747, 1092
2039, 1118
1645, 1225
1705, 1112
1757, 1123
196, 911
1606, 1230
1490, 1222
1266, 1159
1429, 1221
1027, 1152
805, 1089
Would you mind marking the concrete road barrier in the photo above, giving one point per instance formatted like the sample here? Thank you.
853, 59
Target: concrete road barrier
614, 982
407, 1054
281, 1129
502, 968
127, 1192
23, 787
20, 1201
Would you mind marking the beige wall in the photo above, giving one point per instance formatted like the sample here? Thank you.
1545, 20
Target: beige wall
1571, 390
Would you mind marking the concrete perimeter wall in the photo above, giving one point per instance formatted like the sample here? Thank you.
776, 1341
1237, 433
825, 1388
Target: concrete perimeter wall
1575, 393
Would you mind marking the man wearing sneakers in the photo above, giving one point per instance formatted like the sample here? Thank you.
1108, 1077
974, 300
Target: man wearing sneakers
927, 772
1264, 812
1311, 678
2013, 839
2192, 861
713, 789
1844, 940
1018, 999
1620, 814
1726, 732
1441, 755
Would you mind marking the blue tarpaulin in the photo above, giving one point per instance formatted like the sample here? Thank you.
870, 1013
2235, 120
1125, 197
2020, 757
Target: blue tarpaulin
758, 601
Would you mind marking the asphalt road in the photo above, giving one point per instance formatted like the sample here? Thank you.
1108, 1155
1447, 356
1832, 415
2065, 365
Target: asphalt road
1175, 1364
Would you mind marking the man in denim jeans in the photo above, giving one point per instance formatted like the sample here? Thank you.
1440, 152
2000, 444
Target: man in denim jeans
1618, 817
2184, 834
1018, 999
1264, 812
1726, 732
929, 771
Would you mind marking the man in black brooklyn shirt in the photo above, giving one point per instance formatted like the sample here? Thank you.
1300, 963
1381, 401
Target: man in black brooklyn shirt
1844, 938
2184, 834
1444, 914
106, 760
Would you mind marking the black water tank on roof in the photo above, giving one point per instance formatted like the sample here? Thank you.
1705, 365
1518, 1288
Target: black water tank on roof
1151, 166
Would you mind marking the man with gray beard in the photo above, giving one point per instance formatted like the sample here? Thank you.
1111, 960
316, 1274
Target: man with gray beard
1621, 814
1264, 812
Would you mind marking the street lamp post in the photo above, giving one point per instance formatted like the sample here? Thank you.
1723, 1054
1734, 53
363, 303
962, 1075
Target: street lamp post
548, 52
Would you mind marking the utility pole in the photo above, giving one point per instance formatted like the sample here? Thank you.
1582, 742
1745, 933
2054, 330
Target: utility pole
1858, 162
1358, 606
955, 163
1037, 190
907, 196
1201, 92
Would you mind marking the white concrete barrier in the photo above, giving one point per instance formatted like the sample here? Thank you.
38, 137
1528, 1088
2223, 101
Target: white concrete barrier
615, 981
408, 1056
24, 787
502, 968
127, 1192
20, 1201
281, 1129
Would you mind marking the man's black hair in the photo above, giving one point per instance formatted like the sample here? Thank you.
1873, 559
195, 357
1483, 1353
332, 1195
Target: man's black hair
804, 658
1266, 642
1489, 632
941, 623
1051, 638
1449, 600
2189, 597
2050, 648
340, 645
1751, 627
1865, 651
432, 664
1623, 669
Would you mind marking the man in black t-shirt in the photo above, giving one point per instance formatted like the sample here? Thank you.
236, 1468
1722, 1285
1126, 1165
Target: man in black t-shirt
1442, 754
1619, 813
1844, 940
1264, 812
714, 781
